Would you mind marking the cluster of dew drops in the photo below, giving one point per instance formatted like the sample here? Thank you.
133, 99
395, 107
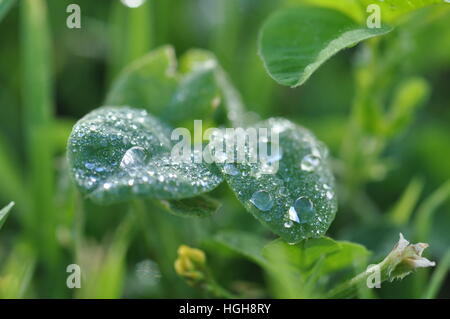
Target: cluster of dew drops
301, 210
134, 159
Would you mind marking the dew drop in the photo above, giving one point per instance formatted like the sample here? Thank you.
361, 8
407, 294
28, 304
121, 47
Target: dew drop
283, 191
230, 169
135, 156
310, 162
89, 165
329, 194
288, 224
305, 208
262, 200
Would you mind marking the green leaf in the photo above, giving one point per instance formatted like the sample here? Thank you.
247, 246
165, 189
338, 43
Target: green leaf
392, 10
193, 91
248, 245
410, 94
426, 211
4, 213
199, 206
295, 201
404, 207
336, 255
352, 8
303, 270
119, 153
233, 105
5, 6
196, 97
295, 42
148, 83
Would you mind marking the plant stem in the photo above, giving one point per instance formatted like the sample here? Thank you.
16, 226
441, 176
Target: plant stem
38, 117
438, 278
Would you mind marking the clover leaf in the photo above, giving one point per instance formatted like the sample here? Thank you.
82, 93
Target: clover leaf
295, 42
118, 153
291, 190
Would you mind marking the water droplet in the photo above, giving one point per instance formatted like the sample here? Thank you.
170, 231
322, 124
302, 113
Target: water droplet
283, 191
89, 165
310, 162
293, 217
230, 169
304, 207
262, 200
288, 224
135, 156
329, 194
100, 169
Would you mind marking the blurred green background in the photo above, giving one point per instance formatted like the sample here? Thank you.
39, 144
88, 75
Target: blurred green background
50, 76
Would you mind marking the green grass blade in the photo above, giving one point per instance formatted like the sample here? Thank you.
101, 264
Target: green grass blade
37, 121
17, 272
11, 181
402, 210
5, 5
131, 34
4, 213
438, 277
425, 212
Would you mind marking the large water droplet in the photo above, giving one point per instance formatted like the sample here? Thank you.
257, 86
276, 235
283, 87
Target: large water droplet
310, 162
262, 200
302, 212
135, 156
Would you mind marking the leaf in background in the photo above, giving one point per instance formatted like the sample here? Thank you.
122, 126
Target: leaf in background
118, 153
197, 97
336, 255
297, 200
404, 207
37, 113
302, 270
5, 6
199, 206
194, 91
426, 211
4, 213
352, 8
104, 266
11, 182
246, 244
295, 42
409, 96
392, 10
148, 83
17, 272
233, 105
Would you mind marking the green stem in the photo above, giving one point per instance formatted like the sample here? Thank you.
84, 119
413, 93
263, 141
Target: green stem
351, 287
438, 278
38, 118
